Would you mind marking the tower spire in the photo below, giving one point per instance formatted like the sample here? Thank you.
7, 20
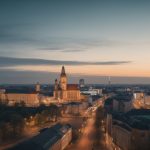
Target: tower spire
63, 71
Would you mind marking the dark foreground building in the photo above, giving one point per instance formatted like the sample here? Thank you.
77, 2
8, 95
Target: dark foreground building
129, 131
54, 138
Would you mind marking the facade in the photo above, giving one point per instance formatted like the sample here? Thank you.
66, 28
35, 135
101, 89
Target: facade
92, 91
128, 131
141, 100
75, 108
26, 97
64, 91
122, 102
122, 106
147, 100
121, 137
138, 95
29, 99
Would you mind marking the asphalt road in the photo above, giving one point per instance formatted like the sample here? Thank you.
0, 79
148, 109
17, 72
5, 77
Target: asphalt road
86, 140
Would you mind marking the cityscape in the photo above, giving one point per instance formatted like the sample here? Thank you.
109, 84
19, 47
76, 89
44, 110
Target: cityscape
74, 75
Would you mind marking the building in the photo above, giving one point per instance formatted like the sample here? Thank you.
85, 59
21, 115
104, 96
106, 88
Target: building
12, 97
37, 87
57, 137
128, 131
64, 91
141, 100
146, 100
27, 97
138, 95
92, 91
81, 83
74, 108
122, 102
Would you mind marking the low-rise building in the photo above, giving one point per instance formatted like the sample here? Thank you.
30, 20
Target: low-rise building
74, 108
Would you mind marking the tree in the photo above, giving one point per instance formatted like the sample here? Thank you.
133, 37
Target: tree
39, 119
54, 112
17, 123
46, 114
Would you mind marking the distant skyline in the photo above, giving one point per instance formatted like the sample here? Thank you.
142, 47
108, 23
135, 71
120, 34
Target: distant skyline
92, 38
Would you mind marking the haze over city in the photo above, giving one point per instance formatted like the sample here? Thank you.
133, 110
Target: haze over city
93, 39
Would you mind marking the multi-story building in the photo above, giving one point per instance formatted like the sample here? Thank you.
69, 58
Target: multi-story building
138, 95
122, 102
30, 98
129, 131
141, 100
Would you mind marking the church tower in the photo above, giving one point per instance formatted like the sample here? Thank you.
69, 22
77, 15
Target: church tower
56, 89
63, 79
56, 85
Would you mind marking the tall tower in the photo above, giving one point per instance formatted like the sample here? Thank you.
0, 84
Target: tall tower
81, 83
56, 85
56, 89
37, 87
63, 79
109, 81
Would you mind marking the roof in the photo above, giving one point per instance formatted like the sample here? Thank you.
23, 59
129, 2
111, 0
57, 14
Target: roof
137, 119
45, 139
27, 145
123, 97
72, 87
20, 91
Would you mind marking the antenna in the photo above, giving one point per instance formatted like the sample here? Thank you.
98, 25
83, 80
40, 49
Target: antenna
109, 81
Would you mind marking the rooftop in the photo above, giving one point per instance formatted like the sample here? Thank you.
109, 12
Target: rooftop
45, 139
20, 91
138, 119
123, 97
72, 87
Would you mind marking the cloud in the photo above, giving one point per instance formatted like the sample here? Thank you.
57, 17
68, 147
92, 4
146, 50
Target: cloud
28, 35
10, 61
63, 49
16, 33
10, 76
74, 50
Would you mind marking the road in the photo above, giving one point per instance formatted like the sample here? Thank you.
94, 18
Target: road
92, 138
88, 138
85, 142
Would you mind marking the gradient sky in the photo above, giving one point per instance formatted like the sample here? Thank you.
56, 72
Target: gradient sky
92, 38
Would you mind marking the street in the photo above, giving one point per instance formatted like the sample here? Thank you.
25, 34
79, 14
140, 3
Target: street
85, 142
88, 138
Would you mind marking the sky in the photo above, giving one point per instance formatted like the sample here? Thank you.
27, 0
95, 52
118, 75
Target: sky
94, 39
